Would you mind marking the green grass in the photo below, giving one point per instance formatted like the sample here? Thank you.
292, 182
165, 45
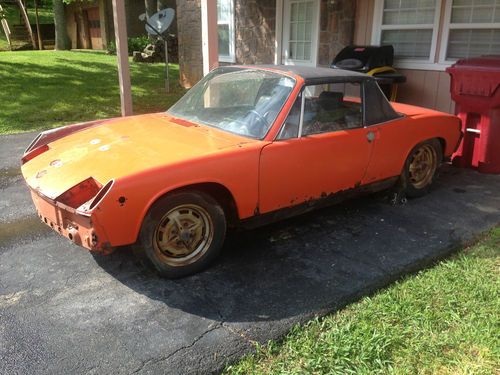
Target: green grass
44, 89
445, 320
45, 15
3, 42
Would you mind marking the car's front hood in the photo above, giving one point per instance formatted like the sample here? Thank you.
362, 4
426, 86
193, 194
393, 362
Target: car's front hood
121, 147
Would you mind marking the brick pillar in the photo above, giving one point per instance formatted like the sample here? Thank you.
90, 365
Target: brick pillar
336, 28
190, 43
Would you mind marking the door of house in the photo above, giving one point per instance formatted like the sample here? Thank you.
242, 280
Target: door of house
300, 32
82, 30
94, 28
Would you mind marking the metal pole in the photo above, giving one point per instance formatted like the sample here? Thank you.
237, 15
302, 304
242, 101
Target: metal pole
167, 79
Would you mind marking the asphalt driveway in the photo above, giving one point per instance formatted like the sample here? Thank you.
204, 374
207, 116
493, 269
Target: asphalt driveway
64, 311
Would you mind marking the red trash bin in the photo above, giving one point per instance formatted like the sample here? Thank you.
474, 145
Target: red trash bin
475, 88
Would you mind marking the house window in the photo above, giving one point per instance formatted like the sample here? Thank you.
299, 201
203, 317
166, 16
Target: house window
468, 28
301, 26
410, 26
225, 29
472, 28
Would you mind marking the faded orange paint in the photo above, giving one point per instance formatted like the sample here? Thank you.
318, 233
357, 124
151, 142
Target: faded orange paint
150, 155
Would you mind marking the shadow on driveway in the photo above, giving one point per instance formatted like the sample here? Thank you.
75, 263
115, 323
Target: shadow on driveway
281, 274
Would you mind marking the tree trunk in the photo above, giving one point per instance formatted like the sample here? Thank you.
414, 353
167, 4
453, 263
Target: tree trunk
62, 40
38, 33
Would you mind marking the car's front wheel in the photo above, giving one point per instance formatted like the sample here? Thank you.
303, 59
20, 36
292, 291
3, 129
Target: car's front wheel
421, 167
182, 234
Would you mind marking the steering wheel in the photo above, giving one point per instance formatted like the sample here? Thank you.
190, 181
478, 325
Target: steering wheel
259, 116
260, 125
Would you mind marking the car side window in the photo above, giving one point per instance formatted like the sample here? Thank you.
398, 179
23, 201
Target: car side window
333, 107
378, 109
290, 128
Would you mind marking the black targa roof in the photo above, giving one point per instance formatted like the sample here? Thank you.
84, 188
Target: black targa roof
313, 75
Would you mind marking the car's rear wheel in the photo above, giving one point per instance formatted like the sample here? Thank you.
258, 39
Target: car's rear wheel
182, 234
421, 167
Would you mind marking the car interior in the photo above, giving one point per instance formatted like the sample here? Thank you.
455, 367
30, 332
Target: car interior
329, 111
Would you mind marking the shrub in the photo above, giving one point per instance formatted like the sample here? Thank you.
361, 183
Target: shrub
134, 44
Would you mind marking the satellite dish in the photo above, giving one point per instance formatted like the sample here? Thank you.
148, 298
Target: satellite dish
159, 22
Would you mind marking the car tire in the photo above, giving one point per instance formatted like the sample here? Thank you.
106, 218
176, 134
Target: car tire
420, 169
181, 234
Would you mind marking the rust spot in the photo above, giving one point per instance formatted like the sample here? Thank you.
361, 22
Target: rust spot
182, 122
56, 163
81, 193
107, 249
41, 173
122, 200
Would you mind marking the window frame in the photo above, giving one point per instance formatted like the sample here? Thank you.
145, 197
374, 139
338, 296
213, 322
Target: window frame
408, 63
302, 97
231, 58
448, 25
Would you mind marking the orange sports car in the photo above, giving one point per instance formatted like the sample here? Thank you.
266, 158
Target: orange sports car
247, 145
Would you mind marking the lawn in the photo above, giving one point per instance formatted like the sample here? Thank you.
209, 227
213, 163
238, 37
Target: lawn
45, 15
445, 320
44, 89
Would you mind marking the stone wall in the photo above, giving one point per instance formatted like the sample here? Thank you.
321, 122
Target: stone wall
255, 33
336, 28
255, 25
190, 43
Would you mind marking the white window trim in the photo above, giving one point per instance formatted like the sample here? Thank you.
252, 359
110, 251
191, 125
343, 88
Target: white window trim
428, 64
285, 31
231, 58
447, 26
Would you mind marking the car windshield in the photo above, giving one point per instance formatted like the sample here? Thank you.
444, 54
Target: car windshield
238, 100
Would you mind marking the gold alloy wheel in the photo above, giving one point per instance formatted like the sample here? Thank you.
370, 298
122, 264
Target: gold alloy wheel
183, 235
423, 165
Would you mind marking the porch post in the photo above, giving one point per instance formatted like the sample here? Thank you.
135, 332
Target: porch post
278, 32
120, 19
209, 35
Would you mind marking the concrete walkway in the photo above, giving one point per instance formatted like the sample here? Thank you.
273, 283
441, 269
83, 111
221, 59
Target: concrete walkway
63, 311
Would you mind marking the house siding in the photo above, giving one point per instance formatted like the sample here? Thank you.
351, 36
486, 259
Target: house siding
426, 88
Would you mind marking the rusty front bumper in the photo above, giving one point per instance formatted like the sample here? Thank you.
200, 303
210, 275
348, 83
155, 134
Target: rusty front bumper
79, 228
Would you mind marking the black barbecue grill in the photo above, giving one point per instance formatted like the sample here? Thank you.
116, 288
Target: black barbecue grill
376, 61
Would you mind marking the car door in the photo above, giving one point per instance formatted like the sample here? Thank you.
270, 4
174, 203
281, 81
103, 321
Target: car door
321, 149
394, 135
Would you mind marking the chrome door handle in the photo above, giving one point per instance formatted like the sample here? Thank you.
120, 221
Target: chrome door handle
370, 136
